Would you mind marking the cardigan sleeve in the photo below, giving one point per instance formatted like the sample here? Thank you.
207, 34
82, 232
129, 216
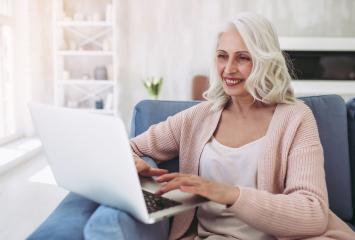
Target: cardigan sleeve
160, 141
301, 210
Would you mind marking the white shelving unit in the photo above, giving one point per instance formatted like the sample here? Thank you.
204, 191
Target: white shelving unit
85, 55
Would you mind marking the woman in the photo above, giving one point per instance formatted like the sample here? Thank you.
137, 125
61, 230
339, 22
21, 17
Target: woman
252, 149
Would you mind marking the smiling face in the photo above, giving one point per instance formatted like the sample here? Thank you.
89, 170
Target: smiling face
234, 63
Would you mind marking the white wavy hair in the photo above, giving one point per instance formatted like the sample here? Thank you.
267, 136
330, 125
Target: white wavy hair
269, 81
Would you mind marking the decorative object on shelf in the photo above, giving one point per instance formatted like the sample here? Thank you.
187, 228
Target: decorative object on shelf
100, 73
89, 18
106, 45
78, 16
200, 84
67, 19
108, 13
85, 77
99, 104
63, 45
96, 17
153, 86
66, 75
72, 45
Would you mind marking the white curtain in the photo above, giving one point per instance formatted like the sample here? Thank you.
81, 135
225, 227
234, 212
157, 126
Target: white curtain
33, 65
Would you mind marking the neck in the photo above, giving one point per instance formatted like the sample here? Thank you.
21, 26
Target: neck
243, 105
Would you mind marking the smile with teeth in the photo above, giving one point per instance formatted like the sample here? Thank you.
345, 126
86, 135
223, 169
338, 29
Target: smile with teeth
231, 82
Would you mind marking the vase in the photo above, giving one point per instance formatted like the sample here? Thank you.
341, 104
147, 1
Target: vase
100, 73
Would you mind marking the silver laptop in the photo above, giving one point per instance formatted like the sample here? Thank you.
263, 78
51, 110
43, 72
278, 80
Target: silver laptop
90, 155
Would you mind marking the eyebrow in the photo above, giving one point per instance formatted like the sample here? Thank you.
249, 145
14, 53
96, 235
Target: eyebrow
239, 52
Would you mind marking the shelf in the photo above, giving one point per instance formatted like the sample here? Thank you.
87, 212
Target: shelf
316, 87
84, 23
80, 45
86, 82
317, 43
85, 53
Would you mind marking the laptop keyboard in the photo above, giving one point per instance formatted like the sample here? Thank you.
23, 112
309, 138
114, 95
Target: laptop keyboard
155, 203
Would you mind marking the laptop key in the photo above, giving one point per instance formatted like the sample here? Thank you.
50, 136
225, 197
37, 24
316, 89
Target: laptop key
155, 203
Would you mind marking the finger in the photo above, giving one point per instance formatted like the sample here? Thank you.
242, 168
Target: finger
175, 184
142, 167
157, 172
167, 188
168, 177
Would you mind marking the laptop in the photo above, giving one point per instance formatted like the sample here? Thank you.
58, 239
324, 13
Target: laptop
89, 154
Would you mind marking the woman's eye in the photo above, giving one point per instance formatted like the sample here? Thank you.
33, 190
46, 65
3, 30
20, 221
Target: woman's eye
244, 58
221, 56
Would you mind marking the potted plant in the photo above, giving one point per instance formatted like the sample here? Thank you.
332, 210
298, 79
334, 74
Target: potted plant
153, 86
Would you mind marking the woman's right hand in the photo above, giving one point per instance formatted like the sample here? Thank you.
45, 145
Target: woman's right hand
145, 170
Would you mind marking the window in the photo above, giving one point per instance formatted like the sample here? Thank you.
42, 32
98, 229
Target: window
7, 83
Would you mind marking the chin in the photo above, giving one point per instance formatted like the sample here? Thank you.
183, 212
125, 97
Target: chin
236, 92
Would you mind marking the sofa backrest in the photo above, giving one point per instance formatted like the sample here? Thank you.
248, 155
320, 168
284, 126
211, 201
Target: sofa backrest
351, 132
330, 114
149, 112
331, 117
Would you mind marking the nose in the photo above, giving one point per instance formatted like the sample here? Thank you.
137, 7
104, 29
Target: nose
231, 66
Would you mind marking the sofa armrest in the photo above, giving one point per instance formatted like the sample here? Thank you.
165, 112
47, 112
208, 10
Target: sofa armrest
67, 221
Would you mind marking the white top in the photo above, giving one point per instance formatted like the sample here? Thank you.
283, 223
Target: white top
234, 166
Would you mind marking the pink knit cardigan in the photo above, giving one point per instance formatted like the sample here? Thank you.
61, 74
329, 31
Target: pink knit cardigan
290, 201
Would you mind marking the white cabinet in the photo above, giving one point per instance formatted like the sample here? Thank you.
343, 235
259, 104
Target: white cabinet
85, 55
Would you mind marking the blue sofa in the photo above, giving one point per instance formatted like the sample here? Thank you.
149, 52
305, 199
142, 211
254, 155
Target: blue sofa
336, 124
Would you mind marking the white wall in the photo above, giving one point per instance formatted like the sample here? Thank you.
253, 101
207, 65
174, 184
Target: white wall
172, 38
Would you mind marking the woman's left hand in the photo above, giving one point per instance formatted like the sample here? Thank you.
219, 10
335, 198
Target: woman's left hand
217, 192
